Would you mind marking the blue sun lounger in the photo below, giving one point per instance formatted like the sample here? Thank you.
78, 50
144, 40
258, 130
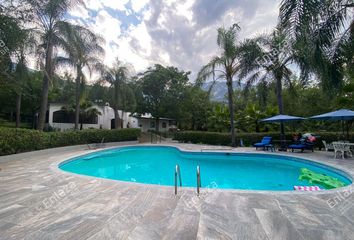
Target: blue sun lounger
266, 142
303, 145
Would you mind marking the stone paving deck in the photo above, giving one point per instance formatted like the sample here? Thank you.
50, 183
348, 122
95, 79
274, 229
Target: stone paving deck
39, 201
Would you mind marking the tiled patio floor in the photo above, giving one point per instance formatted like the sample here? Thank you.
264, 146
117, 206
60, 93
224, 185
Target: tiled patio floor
39, 201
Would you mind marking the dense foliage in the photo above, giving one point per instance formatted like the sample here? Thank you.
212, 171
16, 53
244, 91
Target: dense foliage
158, 91
23, 140
248, 139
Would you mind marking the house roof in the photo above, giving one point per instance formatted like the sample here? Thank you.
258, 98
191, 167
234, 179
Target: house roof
94, 103
148, 116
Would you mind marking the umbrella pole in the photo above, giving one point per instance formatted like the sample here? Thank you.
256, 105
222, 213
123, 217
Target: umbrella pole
282, 137
343, 129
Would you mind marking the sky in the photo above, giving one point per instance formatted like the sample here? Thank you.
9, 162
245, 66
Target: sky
180, 33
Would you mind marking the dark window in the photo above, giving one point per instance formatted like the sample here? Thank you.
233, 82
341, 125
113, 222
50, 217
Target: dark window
152, 124
91, 119
62, 116
47, 117
164, 125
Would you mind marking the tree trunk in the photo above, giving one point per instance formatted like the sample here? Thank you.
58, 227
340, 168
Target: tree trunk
77, 97
230, 92
122, 125
18, 109
11, 115
81, 124
34, 120
280, 104
157, 127
45, 87
279, 96
279, 90
116, 118
116, 114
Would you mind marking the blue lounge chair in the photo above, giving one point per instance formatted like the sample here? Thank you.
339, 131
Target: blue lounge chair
302, 145
266, 141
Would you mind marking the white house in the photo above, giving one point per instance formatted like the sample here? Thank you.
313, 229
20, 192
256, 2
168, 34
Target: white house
147, 122
60, 119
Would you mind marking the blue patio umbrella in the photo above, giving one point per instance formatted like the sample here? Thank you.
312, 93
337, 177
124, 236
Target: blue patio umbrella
339, 115
282, 119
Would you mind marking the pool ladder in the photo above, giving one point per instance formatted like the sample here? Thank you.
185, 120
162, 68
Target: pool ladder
199, 184
178, 177
177, 174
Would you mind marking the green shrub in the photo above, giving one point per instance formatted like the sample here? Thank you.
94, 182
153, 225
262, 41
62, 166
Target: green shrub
248, 139
14, 140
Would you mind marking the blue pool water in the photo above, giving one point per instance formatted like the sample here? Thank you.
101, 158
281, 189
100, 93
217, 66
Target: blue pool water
156, 165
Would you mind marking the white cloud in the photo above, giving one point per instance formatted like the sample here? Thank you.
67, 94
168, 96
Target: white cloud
93, 4
107, 26
134, 47
173, 32
115, 4
80, 12
138, 5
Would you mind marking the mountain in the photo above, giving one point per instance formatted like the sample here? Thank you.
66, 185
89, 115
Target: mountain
219, 91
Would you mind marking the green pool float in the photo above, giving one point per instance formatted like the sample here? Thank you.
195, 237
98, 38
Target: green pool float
318, 178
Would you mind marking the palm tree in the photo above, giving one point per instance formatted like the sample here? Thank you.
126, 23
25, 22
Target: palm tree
117, 77
268, 58
225, 67
331, 21
22, 72
21, 77
327, 29
87, 110
85, 52
253, 115
48, 18
218, 118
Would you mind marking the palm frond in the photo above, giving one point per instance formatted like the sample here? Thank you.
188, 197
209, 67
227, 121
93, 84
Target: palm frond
210, 70
296, 14
250, 57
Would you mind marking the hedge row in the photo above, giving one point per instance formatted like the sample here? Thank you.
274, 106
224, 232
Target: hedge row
248, 139
14, 140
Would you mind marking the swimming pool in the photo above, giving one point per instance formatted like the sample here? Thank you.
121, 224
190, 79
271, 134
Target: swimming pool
156, 165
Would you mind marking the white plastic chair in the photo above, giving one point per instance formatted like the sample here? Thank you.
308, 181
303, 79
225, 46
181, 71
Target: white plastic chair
328, 146
342, 148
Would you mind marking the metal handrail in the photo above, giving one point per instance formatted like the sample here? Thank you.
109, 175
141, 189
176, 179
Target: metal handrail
177, 173
199, 184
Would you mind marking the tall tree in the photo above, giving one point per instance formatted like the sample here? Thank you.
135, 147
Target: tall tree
267, 58
22, 72
117, 76
225, 67
196, 105
159, 89
85, 52
48, 18
12, 38
16, 44
21, 76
